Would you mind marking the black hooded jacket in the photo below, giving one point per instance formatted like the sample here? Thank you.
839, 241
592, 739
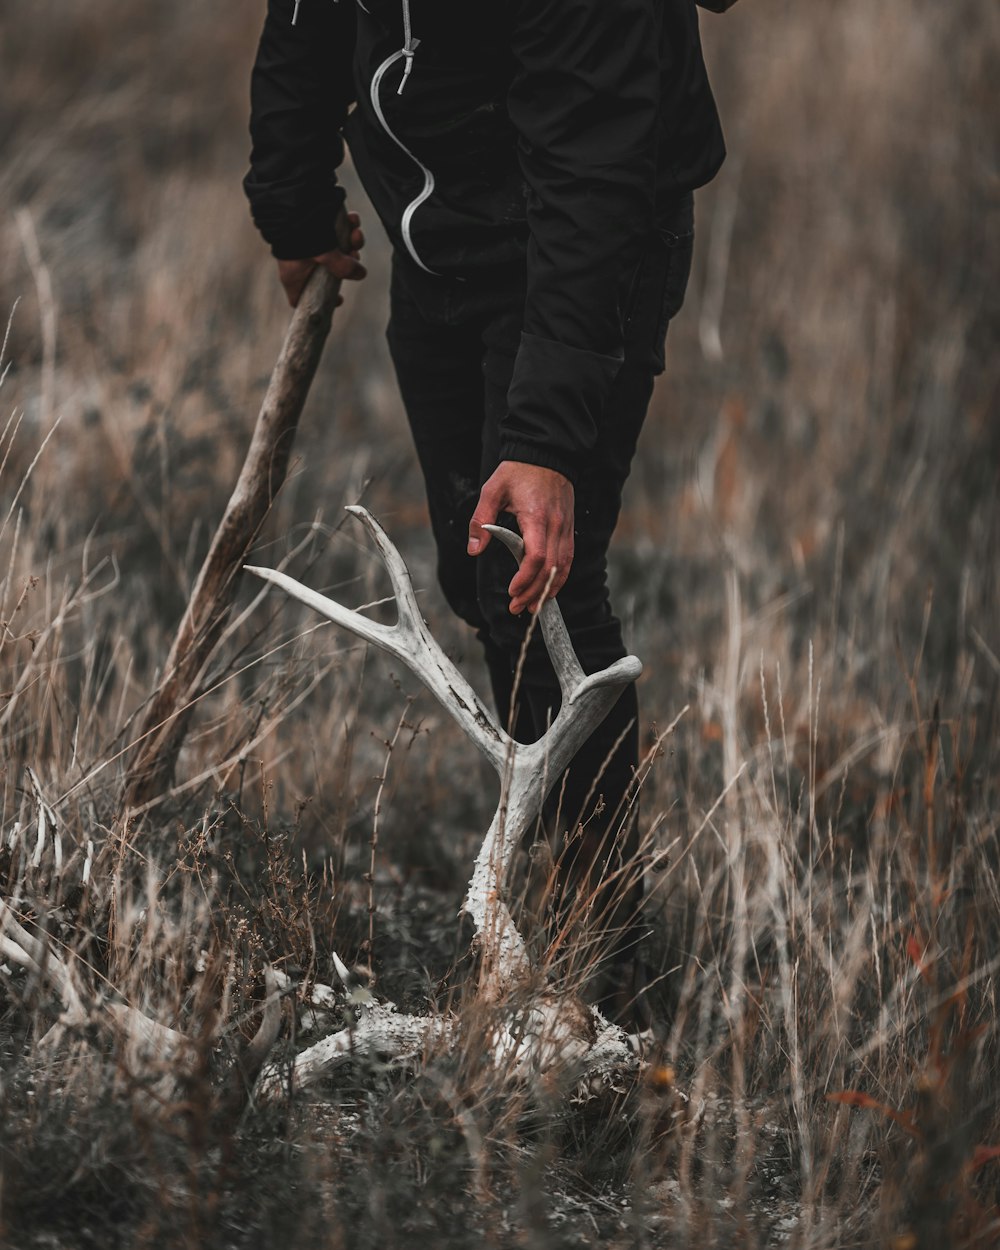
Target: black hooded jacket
551, 134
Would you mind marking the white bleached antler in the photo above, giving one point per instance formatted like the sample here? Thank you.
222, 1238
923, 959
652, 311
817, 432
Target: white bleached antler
526, 772
145, 1038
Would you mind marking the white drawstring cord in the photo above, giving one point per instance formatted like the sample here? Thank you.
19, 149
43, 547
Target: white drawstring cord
410, 46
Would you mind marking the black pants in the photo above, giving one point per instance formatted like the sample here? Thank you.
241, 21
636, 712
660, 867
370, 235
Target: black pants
453, 344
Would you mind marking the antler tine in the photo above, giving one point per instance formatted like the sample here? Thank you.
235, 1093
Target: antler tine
513, 542
557, 643
31, 952
370, 631
623, 671
573, 682
409, 619
409, 640
399, 574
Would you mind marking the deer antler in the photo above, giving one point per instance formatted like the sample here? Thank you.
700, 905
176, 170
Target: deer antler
526, 772
143, 1035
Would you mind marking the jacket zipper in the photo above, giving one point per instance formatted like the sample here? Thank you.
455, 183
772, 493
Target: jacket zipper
428, 187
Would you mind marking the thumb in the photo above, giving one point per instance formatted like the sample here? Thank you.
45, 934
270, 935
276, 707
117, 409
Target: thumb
487, 510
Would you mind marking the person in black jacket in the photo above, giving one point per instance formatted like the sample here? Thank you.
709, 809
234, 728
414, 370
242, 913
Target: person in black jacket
533, 163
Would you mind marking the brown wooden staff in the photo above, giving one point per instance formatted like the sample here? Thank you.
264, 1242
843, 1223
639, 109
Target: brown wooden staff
163, 725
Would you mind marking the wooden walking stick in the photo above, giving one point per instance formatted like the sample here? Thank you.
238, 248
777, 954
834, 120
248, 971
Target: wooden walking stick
163, 726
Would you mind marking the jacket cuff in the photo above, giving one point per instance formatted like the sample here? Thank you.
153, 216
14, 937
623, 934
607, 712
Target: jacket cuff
555, 402
306, 234
529, 453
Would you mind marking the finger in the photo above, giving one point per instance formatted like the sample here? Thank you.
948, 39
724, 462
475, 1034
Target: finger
293, 275
487, 510
527, 594
529, 581
548, 590
556, 573
343, 266
294, 287
533, 562
552, 573
562, 560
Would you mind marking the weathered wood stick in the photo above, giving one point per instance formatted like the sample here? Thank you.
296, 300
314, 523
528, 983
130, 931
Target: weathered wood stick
163, 726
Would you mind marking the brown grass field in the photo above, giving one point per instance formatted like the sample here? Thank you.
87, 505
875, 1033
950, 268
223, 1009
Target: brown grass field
808, 564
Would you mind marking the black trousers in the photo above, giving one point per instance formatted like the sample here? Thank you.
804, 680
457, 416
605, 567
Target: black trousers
453, 344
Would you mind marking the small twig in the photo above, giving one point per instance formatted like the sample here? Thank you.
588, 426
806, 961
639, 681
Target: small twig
373, 840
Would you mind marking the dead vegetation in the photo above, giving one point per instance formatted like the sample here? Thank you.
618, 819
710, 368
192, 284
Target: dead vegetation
808, 562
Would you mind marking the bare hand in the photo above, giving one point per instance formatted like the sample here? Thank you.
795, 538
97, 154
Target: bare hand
345, 265
542, 502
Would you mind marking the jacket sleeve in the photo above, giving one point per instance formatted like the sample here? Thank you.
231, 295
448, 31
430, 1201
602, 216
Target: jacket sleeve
584, 102
300, 91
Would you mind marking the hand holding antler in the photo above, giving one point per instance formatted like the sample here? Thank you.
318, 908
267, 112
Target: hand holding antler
542, 501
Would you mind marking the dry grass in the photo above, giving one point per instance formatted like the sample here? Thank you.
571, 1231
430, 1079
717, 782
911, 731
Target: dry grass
809, 559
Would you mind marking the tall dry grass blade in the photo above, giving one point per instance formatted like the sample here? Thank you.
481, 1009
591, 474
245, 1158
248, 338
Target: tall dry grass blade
42, 278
